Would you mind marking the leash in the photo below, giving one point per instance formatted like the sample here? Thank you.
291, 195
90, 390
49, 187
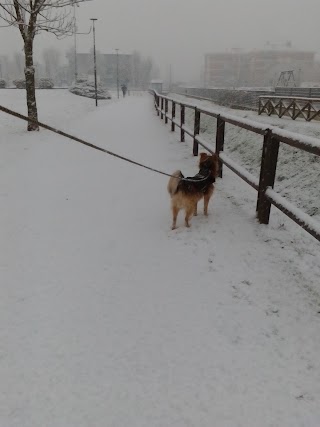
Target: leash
88, 144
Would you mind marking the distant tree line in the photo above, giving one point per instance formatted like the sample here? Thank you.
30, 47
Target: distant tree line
59, 67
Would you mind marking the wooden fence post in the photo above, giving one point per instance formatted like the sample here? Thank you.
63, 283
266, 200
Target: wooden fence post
294, 110
182, 120
309, 111
221, 125
173, 116
280, 108
158, 104
260, 106
269, 160
166, 111
161, 108
196, 131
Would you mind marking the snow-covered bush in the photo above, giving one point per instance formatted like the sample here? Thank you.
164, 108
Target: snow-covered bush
20, 83
3, 83
46, 84
82, 80
84, 88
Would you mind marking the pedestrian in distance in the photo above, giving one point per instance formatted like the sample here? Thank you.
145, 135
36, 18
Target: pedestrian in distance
124, 89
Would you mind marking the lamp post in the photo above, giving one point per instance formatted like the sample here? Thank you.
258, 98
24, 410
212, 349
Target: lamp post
75, 43
117, 50
95, 59
75, 32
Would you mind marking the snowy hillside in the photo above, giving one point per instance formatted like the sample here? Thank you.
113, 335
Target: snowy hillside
298, 172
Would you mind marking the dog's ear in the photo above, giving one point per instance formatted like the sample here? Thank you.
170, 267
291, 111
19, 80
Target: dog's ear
203, 158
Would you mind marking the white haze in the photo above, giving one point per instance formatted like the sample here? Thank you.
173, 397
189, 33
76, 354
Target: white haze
180, 32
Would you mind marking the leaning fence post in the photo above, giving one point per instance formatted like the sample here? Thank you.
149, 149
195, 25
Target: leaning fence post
173, 113
196, 131
166, 111
269, 160
161, 108
221, 124
182, 119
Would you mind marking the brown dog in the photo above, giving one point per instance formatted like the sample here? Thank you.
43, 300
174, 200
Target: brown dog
186, 192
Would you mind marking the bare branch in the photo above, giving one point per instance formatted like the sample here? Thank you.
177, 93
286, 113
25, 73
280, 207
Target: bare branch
34, 16
21, 18
7, 12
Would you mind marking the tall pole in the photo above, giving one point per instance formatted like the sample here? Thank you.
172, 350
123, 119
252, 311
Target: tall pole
117, 50
95, 60
75, 43
75, 32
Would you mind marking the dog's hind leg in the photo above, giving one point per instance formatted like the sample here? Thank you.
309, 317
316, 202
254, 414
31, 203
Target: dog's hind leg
206, 203
206, 200
189, 213
175, 212
195, 213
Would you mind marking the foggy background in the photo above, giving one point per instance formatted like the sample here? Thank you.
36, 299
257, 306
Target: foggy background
180, 32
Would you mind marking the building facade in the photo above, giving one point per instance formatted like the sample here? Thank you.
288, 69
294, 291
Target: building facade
257, 67
110, 66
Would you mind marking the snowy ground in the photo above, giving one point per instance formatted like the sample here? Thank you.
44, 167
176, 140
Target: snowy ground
109, 318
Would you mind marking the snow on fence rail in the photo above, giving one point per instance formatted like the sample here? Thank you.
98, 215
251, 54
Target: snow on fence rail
272, 137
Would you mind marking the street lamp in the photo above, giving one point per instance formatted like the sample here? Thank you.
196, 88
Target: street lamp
95, 59
117, 50
75, 4
75, 42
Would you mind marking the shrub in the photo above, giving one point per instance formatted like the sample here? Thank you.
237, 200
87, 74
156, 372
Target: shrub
46, 84
87, 89
20, 83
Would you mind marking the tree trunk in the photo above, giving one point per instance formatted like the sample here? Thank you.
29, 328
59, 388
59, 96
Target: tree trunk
30, 84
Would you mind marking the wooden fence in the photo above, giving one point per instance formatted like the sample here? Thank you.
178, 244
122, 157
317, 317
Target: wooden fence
306, 108
271, 142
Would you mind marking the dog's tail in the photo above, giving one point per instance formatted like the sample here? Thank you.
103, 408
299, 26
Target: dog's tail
174, 182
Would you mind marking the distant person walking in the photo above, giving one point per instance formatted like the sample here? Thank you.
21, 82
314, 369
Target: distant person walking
124, 89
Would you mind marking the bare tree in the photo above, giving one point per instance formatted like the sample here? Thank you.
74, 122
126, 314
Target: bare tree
142, 70
31, 17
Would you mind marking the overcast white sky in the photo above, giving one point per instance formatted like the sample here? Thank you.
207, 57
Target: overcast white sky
179, 32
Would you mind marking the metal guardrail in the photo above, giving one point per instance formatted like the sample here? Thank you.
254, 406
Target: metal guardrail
244, 98
228, 97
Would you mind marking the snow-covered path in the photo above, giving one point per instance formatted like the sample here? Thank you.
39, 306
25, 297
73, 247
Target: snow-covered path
109, 318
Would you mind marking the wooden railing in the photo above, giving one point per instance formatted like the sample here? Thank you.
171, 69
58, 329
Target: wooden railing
272, 137
306, 108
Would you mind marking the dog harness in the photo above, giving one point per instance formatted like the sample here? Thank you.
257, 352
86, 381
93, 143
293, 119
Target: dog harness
205, 180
